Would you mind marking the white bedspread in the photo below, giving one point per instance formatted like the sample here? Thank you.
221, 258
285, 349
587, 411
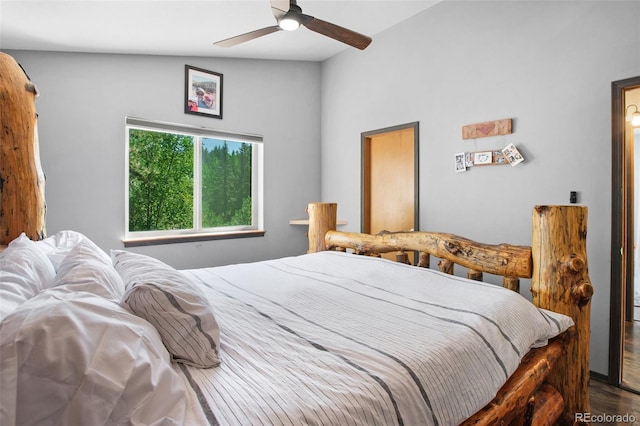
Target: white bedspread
334, 338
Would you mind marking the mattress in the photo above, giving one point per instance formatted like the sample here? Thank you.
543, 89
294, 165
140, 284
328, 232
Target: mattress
336, 338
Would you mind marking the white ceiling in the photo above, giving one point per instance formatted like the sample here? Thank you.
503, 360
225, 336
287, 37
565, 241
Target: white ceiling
188, 28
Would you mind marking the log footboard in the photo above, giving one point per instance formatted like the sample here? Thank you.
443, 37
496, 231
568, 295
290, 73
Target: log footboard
551, 385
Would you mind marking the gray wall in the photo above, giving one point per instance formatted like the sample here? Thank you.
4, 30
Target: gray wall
82, 104
547, 65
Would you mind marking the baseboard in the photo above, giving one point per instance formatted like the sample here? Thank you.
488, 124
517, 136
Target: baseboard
599, 377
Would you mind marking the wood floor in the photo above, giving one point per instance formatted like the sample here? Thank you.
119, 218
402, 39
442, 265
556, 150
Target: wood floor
631, 359
610, 400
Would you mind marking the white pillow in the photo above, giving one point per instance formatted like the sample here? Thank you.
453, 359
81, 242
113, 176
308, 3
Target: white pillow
24, 271
72, 358
86, 269
174, 304
57, 246
60, 240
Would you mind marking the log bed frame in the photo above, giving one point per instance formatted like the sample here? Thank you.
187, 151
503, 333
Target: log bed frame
550, 386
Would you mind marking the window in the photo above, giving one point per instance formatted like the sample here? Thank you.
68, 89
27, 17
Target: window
187, 183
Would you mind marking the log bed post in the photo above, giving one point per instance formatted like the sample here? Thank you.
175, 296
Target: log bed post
561, 283
22, 204
322, 218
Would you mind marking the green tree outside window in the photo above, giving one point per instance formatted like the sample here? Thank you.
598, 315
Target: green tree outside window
162, 180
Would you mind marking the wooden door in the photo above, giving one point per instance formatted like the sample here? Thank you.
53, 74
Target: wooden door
390, 180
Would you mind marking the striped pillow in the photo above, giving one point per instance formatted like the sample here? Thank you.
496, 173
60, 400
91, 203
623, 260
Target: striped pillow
174, 304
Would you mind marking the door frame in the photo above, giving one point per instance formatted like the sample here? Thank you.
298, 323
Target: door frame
416, 169
622, 226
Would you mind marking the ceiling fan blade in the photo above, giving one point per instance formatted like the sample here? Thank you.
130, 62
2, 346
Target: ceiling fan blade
232, 41
280, 8
336, 32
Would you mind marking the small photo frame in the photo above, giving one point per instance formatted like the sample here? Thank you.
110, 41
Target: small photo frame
483, 158
499, 158
468, 157
202, 92
512, 154
461, 163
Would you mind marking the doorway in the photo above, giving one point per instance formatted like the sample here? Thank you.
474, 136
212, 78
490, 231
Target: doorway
624, 347
390, 180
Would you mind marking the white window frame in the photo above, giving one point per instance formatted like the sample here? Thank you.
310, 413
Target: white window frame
197, 232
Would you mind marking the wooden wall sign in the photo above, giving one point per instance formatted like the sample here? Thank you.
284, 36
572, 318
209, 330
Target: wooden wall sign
489, 128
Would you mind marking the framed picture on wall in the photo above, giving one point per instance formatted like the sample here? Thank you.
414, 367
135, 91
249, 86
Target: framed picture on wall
202, 92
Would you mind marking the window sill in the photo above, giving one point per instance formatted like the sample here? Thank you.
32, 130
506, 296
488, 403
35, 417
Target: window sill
190, 238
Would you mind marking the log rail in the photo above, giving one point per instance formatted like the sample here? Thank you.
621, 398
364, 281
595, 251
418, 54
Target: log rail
525, 394
551, 385
509, 261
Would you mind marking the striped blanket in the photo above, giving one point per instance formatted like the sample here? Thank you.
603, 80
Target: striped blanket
337, 339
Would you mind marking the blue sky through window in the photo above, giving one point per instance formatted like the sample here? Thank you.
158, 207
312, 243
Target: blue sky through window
209, 144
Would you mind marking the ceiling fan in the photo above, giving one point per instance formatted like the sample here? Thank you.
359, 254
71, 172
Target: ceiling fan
289, 17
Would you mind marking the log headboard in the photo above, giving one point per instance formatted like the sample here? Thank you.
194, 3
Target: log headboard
22, 204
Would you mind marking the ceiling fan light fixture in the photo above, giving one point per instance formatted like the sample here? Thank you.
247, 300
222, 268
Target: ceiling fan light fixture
289, 22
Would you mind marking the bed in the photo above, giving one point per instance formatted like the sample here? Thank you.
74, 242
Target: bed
337, 335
